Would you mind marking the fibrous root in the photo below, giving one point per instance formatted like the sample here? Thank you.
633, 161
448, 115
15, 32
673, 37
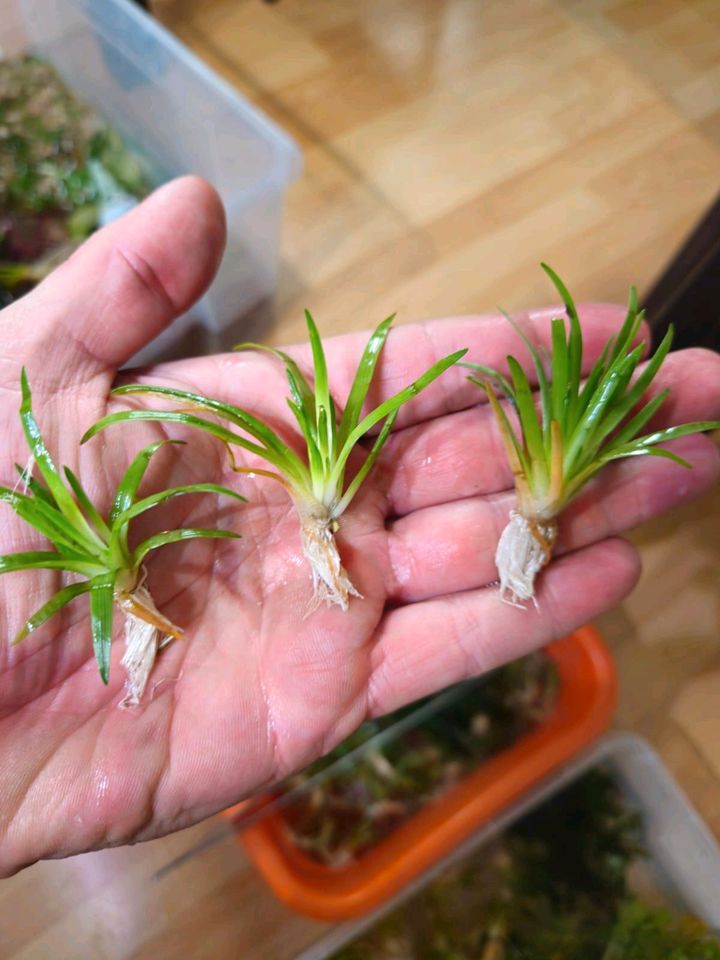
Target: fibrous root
524, 548
146, 632
331, 583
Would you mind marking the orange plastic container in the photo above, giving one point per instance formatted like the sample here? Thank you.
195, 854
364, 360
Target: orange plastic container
583, 710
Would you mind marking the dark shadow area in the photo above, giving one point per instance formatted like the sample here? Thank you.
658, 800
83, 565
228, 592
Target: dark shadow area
687, 294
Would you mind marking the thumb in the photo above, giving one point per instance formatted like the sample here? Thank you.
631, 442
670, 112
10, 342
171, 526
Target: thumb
121, 288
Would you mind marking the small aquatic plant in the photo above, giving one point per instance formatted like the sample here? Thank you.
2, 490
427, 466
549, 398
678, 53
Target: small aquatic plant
317, 484
569, 431
95, 550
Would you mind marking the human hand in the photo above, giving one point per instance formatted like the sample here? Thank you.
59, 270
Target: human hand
257, 690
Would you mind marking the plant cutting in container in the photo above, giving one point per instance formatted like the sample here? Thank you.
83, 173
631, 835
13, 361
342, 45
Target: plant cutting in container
337, 808
448, 766
63, 172
318, 484
579, 428
556, 885
96, 549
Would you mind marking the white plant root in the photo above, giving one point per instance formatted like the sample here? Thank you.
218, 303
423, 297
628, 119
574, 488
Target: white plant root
23, 479
331, 583
145, 627
525, 546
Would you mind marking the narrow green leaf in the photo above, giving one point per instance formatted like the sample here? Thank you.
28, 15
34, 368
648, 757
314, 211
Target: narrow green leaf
638, 448
635, 393
575, 344
63, 498
46, 560
156, 498
597, 374
367, 466
642, 417
54, 604
589, 432
491, 374
665, 454
620, 373
48, 521
309, 432
363, 378
101, 617
36, 489
631, 450
288, 462
299, 387
540, 374
577, 481
322, 388
175, 536
673, 433
630, 328
325, 417
236, 415
130, 483
519, 462
87, 504
556, 463
326, 451
525, 402
633, 300
391, 404
559, 390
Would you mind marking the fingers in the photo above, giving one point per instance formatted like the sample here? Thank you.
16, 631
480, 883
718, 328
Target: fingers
461, 455
121, 288
426, 646
410, 350
451, 547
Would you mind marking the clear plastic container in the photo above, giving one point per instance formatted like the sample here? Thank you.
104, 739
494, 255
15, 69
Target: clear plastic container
180, 117
683, 866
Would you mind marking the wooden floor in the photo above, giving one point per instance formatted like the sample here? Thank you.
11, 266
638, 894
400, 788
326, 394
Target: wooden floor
449, 146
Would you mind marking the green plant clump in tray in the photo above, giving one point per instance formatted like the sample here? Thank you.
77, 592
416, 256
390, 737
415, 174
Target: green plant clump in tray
553, 887
63, 171
338, 811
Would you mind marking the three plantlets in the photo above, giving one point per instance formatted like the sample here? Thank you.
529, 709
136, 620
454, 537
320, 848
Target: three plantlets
561, 438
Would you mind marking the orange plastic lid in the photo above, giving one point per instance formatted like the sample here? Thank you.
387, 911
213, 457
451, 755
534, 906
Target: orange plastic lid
582, 711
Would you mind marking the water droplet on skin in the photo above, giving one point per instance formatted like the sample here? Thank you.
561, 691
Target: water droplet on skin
102, 785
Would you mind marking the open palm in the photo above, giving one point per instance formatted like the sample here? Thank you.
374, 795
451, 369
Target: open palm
257, 688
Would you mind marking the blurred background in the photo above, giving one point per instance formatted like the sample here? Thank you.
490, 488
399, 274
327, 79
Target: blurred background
448, 146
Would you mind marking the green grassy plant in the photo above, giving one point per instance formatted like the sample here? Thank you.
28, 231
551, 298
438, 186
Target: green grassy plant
95, 550
571, 428
317, 483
